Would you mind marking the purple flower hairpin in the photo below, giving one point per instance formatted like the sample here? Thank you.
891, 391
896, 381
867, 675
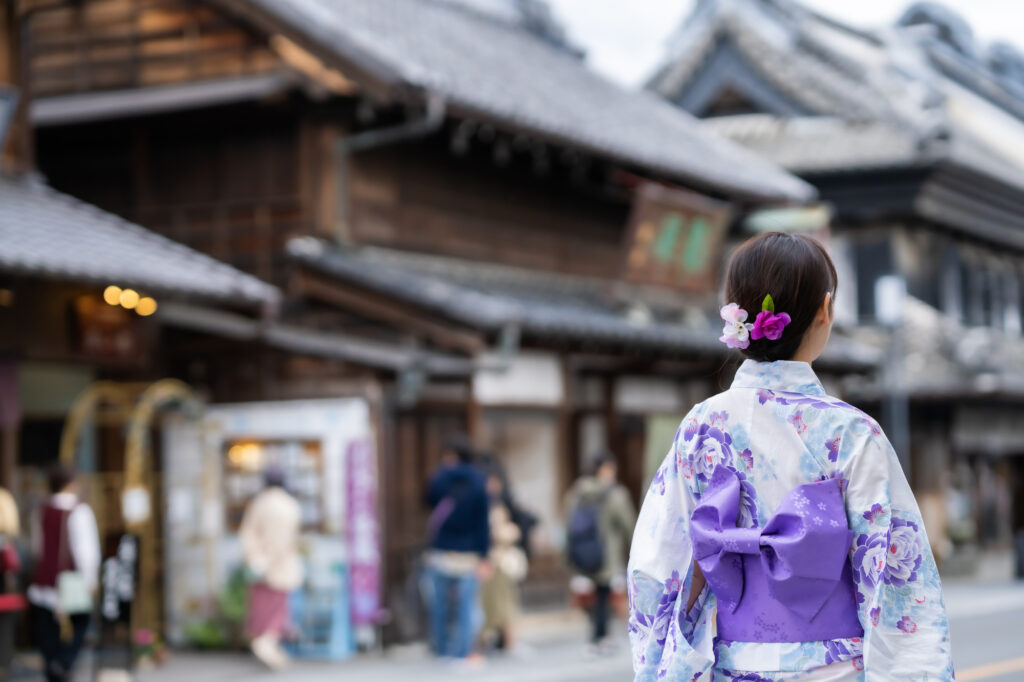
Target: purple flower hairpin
738, 333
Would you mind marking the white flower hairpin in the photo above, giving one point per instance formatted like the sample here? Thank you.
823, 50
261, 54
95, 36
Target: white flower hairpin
738, 333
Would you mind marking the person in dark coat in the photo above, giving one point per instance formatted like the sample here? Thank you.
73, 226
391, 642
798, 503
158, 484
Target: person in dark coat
460, 542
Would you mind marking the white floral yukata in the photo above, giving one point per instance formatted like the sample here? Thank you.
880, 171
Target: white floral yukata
777, 429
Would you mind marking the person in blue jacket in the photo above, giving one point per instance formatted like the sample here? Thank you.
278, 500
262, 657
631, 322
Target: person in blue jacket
460, 540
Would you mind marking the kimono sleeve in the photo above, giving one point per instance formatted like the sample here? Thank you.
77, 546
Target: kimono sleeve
667, 642
899, 595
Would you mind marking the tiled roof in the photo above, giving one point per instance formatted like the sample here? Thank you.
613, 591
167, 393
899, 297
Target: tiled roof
828, 68
48, 234
543, 305
894, 97
502, 73
304, 341
813, 144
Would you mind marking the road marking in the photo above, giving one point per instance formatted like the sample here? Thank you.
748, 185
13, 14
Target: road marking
983, 672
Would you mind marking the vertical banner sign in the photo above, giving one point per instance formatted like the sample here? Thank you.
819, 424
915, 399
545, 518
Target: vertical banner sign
120, 575
675, 239
363, 532
119, 580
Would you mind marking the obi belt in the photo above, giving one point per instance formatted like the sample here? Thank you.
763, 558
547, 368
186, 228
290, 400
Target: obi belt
789, 581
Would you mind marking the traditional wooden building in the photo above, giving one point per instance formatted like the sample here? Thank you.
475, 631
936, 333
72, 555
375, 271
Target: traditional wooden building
444, 191
914, 134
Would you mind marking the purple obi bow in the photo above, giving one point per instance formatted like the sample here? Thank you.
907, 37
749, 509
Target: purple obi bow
802, 549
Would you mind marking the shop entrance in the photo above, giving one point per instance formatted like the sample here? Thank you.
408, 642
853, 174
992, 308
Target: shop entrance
124, 491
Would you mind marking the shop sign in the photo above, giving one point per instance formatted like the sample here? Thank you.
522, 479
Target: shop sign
675, 239
363, 532
105, 331
120, 573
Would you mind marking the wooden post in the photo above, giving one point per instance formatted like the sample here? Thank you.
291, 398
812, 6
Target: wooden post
10, 422
474, 416
16, 153
8, 455
566, 452
611, 423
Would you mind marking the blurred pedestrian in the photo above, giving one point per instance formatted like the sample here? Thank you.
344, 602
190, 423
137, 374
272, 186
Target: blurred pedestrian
500, 592
67, 547
270, 537
600, 517
525, 520
11, 601
460, 542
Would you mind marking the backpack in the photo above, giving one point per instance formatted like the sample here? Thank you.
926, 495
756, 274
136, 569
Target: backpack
585, 544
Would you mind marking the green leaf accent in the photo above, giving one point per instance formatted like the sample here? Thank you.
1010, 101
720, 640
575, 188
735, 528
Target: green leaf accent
768, 304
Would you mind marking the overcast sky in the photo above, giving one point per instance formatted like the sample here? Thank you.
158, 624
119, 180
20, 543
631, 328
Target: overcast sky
626, 38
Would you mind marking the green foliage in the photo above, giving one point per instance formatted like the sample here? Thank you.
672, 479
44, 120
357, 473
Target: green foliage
232, 600
225, 630
768, 304
207, 634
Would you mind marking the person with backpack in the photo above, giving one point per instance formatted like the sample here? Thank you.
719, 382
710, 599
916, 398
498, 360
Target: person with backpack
600, 518
457, 561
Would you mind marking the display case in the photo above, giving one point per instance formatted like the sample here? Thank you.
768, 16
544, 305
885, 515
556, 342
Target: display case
216, 468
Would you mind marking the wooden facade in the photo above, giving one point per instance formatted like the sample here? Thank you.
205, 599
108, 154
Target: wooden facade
423, 198
237, 181
79, 47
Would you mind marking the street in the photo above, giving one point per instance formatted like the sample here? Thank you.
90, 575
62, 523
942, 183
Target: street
986, 625
987, 621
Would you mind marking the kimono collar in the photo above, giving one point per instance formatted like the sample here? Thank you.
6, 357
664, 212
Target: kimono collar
785, 376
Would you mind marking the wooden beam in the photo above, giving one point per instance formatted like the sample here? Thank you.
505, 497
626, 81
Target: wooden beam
375, 307
308, 64
374, 76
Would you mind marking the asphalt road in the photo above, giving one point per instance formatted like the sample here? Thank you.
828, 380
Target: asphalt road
987, 623
987, 629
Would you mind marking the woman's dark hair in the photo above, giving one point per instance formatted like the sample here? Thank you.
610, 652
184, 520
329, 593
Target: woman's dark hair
796, 270
274, 477
601, 458
460, 446
58, 476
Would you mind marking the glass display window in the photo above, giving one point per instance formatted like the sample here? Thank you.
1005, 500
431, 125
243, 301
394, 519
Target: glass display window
247, 461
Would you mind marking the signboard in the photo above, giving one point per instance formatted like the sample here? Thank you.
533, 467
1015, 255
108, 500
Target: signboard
114, 651
105, 331
675, 239
812, 220
119, 576
363, 532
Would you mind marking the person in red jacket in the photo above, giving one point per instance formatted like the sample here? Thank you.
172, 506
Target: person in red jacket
66, 540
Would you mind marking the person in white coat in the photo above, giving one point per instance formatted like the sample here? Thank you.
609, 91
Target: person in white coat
270, 534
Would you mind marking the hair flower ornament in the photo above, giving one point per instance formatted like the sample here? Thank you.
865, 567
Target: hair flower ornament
738, 333
768, 325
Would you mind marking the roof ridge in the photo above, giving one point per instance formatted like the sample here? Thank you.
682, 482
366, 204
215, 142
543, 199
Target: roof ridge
533, 17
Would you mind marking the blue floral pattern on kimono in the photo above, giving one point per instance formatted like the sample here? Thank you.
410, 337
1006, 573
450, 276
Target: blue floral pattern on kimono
777, 429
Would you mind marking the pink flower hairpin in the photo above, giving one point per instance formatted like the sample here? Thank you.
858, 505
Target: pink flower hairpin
738, 333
